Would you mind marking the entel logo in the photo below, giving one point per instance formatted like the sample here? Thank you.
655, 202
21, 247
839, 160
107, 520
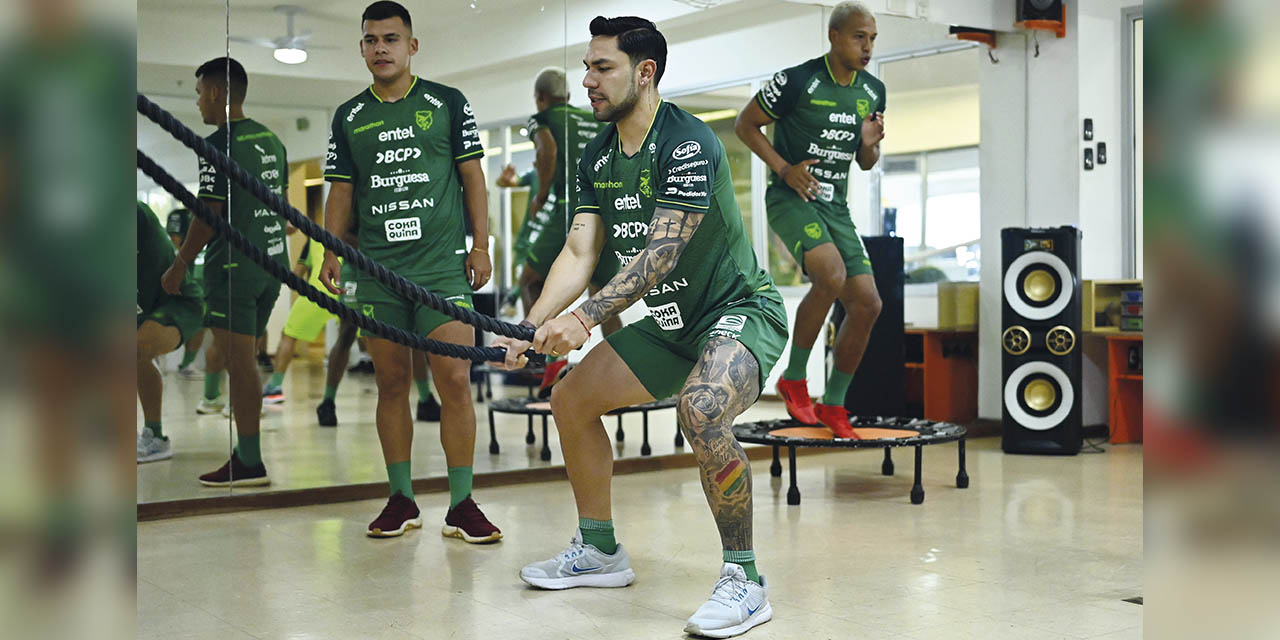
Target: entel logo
352, 116
604, 159
842, 118
627, 203
686, 150
399, 133
631, 230
873, 94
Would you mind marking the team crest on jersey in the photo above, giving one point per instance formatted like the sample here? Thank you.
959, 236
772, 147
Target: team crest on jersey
813, 230
424, 119
645, 188
864, 107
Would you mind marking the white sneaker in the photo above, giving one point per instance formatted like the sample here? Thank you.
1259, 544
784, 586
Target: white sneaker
209, 407
151, 448
189, 373
581, 565
736, 604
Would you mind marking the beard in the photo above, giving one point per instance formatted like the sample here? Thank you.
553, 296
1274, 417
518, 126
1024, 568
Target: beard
624, 108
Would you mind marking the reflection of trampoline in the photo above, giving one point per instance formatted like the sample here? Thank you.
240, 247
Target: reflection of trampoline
875, 432
530, 377
531, 407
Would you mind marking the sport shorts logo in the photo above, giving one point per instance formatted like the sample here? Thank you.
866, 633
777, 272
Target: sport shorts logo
686, 150
423, 118
733, 322
813, 230
367, 310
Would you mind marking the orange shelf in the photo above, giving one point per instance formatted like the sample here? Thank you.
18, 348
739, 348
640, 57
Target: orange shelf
947, 384
1124, 400
915, 365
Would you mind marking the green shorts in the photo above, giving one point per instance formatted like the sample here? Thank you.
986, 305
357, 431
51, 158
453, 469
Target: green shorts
383, 304
548, 242
306, 320
184, 314
662, 364
243, 307
805, 225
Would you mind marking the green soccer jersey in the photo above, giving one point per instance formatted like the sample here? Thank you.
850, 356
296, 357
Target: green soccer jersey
681, 165
402, 159
533, 219
155, 255
572, 129
817, 118
259, 152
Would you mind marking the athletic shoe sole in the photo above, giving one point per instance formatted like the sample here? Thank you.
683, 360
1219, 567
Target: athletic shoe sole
273, 399
156, 457
762, 616
239, 482
457, 532
209, 412
412, 523
598, 580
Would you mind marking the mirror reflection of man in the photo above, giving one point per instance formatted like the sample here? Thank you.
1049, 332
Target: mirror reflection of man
404, 159
239, 295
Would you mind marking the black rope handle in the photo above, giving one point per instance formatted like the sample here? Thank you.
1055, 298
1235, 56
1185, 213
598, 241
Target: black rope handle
276, 202
239, 241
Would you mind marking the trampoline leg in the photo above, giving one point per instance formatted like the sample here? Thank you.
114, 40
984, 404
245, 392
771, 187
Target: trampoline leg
546, 448
480, 389
528, 435
680, 440
886, 467
493, 436
962, 476
917, 491
793, 494
645, 449
619, 435
488, 386
775, 469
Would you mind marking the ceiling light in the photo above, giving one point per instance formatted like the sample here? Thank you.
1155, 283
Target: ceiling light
291, 56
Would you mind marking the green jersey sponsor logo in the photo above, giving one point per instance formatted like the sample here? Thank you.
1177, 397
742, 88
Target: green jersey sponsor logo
423, 118
823, 103
813, 230
366, 127
607, 184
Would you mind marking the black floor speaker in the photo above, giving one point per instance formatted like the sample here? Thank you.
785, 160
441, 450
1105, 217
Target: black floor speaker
1040, 336
878, 386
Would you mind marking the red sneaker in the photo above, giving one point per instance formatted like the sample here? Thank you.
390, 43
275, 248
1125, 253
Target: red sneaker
467, 522
836, 418
552, 374
796, 394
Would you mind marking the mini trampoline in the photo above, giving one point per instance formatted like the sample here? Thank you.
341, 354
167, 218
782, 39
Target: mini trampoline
876, 432
531, 407
530, 377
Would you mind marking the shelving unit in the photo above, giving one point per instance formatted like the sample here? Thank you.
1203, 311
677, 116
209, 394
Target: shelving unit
942, 374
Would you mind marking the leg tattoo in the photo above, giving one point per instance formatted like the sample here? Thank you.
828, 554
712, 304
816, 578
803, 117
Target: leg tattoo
724, 382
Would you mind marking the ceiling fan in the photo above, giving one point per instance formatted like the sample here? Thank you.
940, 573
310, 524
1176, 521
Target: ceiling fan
290, 48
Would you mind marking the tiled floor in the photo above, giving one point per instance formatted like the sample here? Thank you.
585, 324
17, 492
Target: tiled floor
300, 454
1037, 548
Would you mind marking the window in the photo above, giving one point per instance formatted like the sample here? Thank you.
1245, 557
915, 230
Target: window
931, 201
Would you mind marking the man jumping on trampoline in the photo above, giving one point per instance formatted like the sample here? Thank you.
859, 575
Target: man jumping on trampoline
656, 193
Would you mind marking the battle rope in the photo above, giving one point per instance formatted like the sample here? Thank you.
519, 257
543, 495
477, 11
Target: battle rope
240, 242
276, 202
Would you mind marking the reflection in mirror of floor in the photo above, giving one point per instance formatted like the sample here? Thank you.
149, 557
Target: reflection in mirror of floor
300, 454
1037, 548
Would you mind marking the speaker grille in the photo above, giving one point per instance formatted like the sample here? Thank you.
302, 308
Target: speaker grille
1060, 340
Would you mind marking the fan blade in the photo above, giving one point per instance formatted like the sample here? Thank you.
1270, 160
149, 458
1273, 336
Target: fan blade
261, 42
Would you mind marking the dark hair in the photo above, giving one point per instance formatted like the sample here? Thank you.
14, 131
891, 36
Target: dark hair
637, 37
384, 9
216, 70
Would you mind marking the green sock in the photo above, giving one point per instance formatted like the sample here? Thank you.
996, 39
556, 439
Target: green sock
249, 449
599, 534
276, 380
746, 560
212, 385
797, 364
398, 474
154, 427
459, 485
837, 387
424, 391
188, 357
330, 393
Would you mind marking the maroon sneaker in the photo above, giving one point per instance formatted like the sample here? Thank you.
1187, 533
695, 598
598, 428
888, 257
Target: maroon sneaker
467, 522
236, 474
399, 516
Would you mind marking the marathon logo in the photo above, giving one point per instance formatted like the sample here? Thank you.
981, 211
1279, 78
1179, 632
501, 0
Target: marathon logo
830, 155
607, 184
403, 229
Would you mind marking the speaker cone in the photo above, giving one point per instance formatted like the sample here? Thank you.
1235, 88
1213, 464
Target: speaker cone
1016, 340
1060, 340
1018, 282
1021, 401
1039, 395
1038, 285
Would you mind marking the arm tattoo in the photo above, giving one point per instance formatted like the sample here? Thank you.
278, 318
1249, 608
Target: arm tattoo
669, 233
